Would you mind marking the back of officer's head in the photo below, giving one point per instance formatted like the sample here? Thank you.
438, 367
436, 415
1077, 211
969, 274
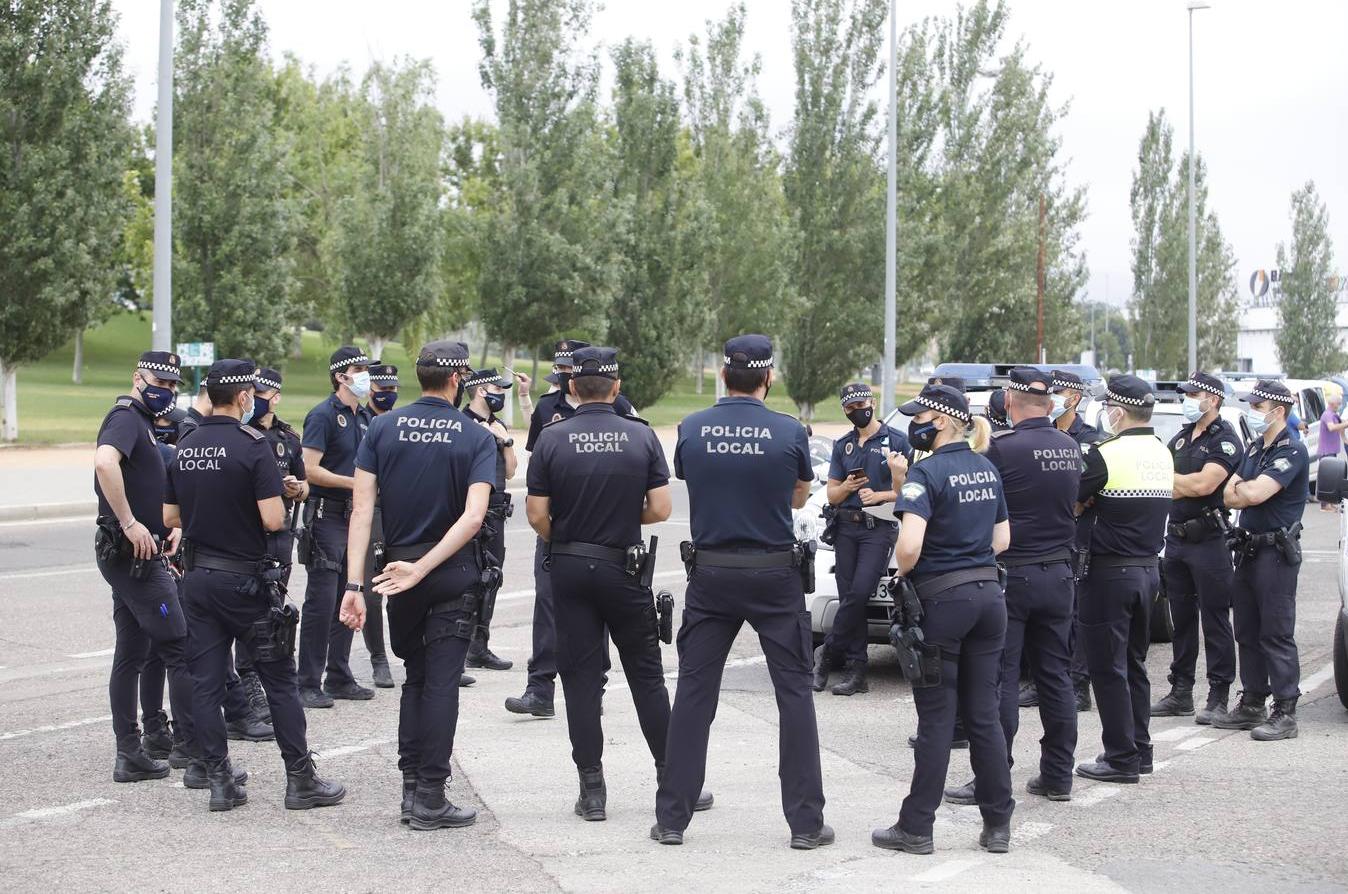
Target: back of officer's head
1028, 393
227, 379
594, 374
748, 364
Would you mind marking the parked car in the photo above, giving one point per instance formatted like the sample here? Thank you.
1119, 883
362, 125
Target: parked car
1333, 488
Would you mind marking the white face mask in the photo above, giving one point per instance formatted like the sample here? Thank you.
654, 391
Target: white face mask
1108, 423
1059, 407
1192, 408
360, 385
1256, 421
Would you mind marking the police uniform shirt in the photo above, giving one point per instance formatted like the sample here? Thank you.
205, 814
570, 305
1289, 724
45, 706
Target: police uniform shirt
1082, 433
500, 480
189, 422
849, 453
284, 444
221, 471
1131, 477
596, 467
425, 456
551, 407
741, 461
1040, 468
130, 429
1286, 462
1219, 444
960, 495
336, 430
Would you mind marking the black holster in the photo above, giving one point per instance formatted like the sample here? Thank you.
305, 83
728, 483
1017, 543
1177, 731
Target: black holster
1288, 542
664, 616
304, 534
805, 556
919, 660
688, 554
830, 516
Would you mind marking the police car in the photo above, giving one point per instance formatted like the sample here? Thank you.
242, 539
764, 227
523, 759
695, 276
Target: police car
1333, 488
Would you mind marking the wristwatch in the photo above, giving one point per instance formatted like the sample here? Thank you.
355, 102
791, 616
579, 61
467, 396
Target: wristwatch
353, 587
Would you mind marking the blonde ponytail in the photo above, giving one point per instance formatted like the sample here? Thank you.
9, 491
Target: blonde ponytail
979, 434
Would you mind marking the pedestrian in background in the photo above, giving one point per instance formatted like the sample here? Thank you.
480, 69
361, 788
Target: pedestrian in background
1331, 437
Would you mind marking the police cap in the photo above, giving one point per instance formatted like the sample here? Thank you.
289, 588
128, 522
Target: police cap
997, 410
347, 356
564, 352
942, 399
1201, 381
748, 352
382, 373
232, 372
1268, 389
1027, 378
854, 392
1128, 391
1066, 380
445, 353
487, 377
269, 379
594, 361
162, 364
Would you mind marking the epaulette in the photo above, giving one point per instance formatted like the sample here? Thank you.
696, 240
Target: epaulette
1003, 432
283, 426
125, 402
250, 431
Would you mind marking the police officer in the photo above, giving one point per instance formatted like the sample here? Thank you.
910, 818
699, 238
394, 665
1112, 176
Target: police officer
746, 467
599, 458
130, 538
954, 524
332, 433
552, 407
1269, 489
383, 395
1040, 469
858, 477
1197, 564
996, 412
431, 564
1068, 392
1128, 482
224, 491
488, 392
200, 409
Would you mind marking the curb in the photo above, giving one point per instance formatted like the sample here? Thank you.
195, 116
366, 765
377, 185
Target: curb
40, 511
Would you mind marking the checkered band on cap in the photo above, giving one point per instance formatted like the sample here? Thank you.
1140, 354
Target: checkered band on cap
479, 379
751, 364
601, 369
941, 407
1204, 386
1021, 386
233, 380
158, 367
561, 355
389, 378
267, 384
859, 394
358, 360
1067, 383
1273, 396
459, 362
1113, 397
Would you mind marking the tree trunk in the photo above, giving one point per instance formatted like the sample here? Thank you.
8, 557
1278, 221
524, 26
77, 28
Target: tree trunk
9, 400
534, 375
507, 362
297, 343
377, 345
699, 365
720, 386
77, 374
486, 349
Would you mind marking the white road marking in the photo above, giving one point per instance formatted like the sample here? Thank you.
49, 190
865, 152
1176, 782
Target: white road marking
42, 813
945, 871
69, 724
63, 520
1030, 831
1192, 744
1093, 796
98, 654
343, 750
1159, 765
1174, 734
60, 572
1311, 683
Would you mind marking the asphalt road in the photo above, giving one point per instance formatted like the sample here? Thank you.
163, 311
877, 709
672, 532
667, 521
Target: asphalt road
1221, 812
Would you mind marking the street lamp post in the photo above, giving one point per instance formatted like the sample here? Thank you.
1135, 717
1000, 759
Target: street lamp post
162, 331
887, 373
1193, 237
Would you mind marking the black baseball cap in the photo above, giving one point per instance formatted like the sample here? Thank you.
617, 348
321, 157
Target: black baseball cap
941, 398
164, 364
1128, 391
1031, 380
1268, 389
594, 361
749, 351
1201, 381
445, 353
232, 372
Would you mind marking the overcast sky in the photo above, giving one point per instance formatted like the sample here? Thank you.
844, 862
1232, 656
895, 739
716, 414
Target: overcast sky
1271, 82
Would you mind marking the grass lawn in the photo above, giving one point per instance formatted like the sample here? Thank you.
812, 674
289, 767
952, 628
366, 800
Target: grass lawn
54, 410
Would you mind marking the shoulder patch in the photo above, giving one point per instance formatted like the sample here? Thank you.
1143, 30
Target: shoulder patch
848, 448
1179, 443
125, 402
911, 490
250, 432
1228, 448
1282, 464
341, 420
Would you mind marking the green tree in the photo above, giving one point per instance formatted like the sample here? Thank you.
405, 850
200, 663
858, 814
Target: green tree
546, 269
389, 240
834, 189
232, 264
1308, 334
64, 105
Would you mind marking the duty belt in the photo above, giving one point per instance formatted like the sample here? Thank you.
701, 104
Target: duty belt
414, 551
857, 517
1058, 555
334, 505
1195, 529
931, 586
213, 562
590, 551
1103, 560
756, 559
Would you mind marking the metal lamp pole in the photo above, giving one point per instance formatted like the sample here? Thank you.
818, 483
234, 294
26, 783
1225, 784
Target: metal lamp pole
1193, 238
162, 337
887, 377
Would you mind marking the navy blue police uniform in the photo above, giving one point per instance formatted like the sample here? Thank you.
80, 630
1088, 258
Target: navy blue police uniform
996, 412
325, 643
1197, 564
1128, 479
743, 463
551, 407
863, 544
1040, 468
596, 468
222, 471
146, 610
499, 508
381, 402
425, 457
959, 494
1085, 435
1266, 577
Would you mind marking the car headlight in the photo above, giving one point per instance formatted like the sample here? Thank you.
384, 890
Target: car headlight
807, 524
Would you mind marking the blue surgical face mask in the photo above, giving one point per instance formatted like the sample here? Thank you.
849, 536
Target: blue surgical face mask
1256, 421
360, 385
1192, 409
384, 400
495, 402
157, 400
1059, 407
248, 413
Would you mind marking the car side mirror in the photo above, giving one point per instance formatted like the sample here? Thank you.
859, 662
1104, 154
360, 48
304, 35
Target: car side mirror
1331, 483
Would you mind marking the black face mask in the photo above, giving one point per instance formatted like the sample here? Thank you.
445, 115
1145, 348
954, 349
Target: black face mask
458, 395
495, 402
922, 435
861, 417
563, 381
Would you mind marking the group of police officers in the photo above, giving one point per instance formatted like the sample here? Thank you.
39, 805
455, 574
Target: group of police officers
1029, 542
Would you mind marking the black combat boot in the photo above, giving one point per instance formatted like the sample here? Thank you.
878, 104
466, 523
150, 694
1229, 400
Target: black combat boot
1216, 706
805, 841
819, 680
853, 681
257, 697
1247, 714
1178, 702
995, 839
1037, 786
666, 836
704, 801
134, 765
380, 672
158, 739
895, 839
198, 777
530, 703
226, 794
1083, 691
409, 795
961, 795
432, 810
1281, 723
250, 729
593, 795
306, 789
481, 656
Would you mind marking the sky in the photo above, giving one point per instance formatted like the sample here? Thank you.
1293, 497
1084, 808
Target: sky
1270, 82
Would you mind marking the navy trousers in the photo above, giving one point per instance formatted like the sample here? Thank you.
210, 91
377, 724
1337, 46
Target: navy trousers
325, 642
1116, 617
1198, 585
1266, 613
860, 559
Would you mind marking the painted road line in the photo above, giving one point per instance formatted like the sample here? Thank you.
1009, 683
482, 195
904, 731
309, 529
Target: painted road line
99, 654
1194, 743
1313, 682
60, 572
1092, 796
63, 520
945, 871
69, 724
343, 750
42, 813
1174, 734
